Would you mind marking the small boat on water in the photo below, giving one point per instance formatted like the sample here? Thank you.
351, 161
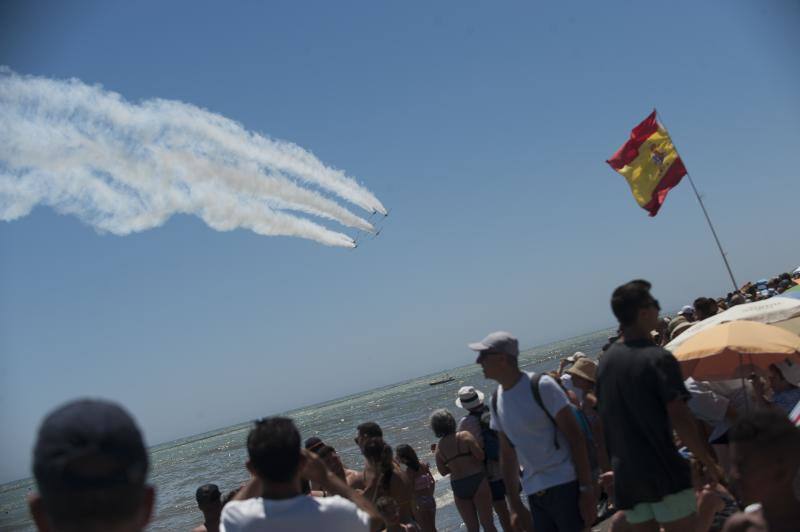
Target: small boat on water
446, 378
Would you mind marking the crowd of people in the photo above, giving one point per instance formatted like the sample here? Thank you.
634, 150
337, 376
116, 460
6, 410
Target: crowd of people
624, 437
704, 307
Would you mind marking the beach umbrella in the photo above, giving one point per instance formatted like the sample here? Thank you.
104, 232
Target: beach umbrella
793, 291
774, 309
792, 325
736, 349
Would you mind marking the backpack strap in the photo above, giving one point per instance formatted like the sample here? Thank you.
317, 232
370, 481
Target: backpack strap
494, 413
494, 402
537, 396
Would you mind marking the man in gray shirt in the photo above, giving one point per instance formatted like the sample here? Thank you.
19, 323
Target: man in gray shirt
536, 425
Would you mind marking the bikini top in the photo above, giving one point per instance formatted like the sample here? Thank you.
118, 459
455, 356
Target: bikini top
458, 455
424, 480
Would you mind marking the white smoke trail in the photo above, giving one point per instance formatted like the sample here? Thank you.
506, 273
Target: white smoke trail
124, 167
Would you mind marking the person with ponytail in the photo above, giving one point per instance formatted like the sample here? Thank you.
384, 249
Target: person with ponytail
383, 478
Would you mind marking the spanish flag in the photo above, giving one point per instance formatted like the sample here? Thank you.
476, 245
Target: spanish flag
649, 163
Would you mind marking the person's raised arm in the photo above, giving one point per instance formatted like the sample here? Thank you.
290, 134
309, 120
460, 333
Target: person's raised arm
510, 469
568, 425
370, 489
683, 422
673, 392
315, 471
599, 434
440, 465
251, 489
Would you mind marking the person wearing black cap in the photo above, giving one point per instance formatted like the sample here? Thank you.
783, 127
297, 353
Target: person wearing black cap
90, 466
209, 500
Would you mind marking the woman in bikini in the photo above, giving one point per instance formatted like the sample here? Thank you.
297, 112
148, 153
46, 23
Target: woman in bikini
424, 486
459, 455
383, 478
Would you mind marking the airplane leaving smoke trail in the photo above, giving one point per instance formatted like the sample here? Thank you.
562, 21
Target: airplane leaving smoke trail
124, 167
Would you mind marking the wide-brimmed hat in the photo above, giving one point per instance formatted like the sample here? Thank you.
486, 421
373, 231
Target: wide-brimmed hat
680, 328
584, 368
469, 397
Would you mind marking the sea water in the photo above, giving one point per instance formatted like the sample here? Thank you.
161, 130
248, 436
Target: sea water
402, 411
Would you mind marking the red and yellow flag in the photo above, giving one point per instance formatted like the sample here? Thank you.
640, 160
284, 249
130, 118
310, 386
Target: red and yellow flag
649, 163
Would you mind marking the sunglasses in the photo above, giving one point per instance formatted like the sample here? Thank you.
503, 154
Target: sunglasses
484, 354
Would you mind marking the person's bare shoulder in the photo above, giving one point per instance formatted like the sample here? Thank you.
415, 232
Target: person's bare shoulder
466, 435
199, 528
355, 479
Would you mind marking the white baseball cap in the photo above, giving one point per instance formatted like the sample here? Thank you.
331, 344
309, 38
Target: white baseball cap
498, 342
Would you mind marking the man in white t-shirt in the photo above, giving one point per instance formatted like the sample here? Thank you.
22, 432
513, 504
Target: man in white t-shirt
549, 445
273, 500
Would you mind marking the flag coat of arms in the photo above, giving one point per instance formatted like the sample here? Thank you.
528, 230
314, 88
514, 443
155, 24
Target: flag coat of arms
649, 163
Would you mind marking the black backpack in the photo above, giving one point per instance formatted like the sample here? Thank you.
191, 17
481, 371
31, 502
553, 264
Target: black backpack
491, 441
537, 396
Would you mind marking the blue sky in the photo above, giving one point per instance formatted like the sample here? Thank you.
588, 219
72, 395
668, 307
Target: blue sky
484, 128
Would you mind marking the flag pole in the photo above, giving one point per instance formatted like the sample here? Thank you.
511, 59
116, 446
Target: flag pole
708, 219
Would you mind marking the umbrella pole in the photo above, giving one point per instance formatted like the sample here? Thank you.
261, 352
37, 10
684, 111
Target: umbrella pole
744, 385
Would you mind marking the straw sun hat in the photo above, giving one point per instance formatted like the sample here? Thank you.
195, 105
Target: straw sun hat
584, 368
